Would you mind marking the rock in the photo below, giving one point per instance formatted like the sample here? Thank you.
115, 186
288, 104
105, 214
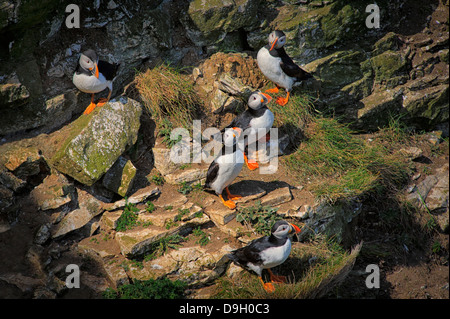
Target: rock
376, 107
218, 101
186, 176
13, 94
137, 242
430, 105
9, 180
94, 142
388, 64
277, 197
411, 153
54, 192
23, 161
43, 234
120, 176
208, 22
89, 207
162, 161
220, 214
109, 219
140, 196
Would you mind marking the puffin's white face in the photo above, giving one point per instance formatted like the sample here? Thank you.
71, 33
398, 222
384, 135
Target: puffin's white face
257, 100
277, 39
231, 136
86, 63
283, 229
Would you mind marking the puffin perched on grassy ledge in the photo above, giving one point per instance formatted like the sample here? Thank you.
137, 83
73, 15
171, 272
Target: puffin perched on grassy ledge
267, 252
93, 76
278, 67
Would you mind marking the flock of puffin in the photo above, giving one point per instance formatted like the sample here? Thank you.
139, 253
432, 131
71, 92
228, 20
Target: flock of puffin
93, 76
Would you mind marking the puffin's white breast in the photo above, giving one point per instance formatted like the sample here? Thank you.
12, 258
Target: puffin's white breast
270, 67
274, 256
230, 166
90, 84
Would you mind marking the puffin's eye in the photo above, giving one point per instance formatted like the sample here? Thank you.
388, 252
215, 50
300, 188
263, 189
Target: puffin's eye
254, 97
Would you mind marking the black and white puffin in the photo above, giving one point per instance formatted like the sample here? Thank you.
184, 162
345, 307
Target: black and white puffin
256, 117
278, 67
267, 252
226, 167
93, 76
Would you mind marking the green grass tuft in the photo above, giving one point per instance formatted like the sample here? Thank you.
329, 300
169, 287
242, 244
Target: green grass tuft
339, 164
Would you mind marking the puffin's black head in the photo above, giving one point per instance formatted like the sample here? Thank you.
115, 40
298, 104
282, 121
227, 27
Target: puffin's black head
282, 228
88, 61
277, 39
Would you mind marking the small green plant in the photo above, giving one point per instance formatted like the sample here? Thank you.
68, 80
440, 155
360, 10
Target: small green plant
150, 207
160, 247
129, 217
158, 180
162, 288
165, 129
261, 218
203, 238
181, 213
185, 188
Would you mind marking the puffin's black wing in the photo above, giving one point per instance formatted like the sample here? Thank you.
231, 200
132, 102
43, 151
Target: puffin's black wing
211, 175
290, 68
250, 253
107, 69
242, 120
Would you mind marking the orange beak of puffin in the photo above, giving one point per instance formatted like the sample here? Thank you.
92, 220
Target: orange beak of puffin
96, 69
237, 129
269, 98
296, 228
273, 44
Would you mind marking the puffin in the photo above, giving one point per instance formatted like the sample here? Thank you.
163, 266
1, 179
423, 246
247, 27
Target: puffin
226, 167
256, 116
93, 76
267, 252
277, 66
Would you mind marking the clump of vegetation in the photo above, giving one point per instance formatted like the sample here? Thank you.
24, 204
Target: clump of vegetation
203, 238
340, 164
129, 217
167, 93
292, 118
160, 247
162, 288
260, 218
158, 179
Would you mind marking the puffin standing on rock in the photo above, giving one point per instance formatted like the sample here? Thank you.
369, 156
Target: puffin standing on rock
267, 252
226, 167
278, 67
93, 76
256, 116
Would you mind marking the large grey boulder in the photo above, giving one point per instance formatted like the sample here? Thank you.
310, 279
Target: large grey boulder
96, 141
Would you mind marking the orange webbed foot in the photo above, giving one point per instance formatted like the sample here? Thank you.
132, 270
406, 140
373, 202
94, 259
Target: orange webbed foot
251, 165
274, 90
232, 196
90, 108
102, 102
228, 203
282, 101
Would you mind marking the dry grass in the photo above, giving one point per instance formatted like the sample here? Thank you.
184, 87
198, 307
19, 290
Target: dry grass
312, 269
168, 94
